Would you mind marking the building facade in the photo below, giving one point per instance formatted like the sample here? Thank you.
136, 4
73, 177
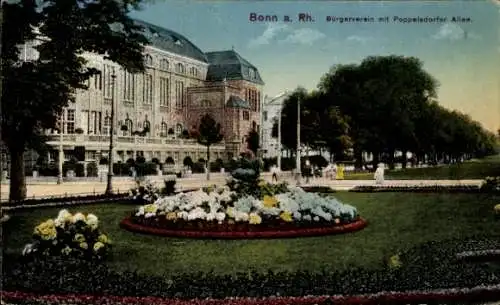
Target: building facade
156, 111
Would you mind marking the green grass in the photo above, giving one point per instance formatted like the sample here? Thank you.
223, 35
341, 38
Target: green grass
396, 221
472, 169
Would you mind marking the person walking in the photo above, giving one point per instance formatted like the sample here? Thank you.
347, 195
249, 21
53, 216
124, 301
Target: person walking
274, 173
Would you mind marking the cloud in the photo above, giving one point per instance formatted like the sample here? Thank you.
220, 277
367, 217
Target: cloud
272, 30
306, 36
451, 31
359, 39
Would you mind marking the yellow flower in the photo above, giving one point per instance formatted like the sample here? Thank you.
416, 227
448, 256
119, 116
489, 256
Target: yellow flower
286, 216
230, 212
79, 238
172, 216
84, 245
255, 219
269, 201
103, 239
46, 230
150, 208
395, 262
66, 251
497, 208
98, 245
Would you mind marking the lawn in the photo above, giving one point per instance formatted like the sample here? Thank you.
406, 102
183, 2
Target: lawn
396, 221
472, 169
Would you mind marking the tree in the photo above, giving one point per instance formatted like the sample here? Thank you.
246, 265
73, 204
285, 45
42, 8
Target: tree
209, 134
253, 140
36, 91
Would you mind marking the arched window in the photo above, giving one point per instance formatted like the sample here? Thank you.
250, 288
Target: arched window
148, 60
164, 64
179, 68
178, 129
164, 129
130, 127
106, 129
147, 127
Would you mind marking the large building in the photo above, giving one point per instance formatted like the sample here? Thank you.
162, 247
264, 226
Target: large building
157, 109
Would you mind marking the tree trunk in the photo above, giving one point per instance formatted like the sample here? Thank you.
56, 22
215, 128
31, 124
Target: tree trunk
405, 160
17, 175
376, 160
392, 161
208, 162
358, 158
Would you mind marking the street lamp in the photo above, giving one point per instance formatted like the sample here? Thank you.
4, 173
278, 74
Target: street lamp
297, 160
109, 186
61, 151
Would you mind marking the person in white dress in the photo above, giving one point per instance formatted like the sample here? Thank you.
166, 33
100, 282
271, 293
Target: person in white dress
274, 173
379, 174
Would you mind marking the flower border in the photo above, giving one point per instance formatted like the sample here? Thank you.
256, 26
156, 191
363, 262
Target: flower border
477, 294
357, 225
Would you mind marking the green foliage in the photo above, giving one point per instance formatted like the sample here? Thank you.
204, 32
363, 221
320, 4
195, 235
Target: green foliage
491, 184
36, 91
428, 266
245, 178
253, 140
209, 131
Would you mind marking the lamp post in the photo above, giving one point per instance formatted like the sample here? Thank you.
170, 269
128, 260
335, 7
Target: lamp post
61, 151
109, 186
297, 160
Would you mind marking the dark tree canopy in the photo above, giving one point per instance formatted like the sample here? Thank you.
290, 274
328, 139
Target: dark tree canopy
209, 133
36, 91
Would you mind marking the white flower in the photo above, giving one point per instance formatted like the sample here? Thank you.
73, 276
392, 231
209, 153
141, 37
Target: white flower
297, 215
183, 215
210, 216
307, 217
241, 216
149, 215
92, 221
77, 217
28, 249
140, 212
316, 218
220, 216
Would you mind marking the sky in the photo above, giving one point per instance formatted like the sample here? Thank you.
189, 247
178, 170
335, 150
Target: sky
464, 56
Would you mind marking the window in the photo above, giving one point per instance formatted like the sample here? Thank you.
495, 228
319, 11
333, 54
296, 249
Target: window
128, 86
108, 80
179, 94
130, 127
148, 60
246, 116
179, 68
178, 129
70, 121
148, 89
264, 115
98, 81
164, 64
107, 125
147, 127
164, 129
164, 91
193, 71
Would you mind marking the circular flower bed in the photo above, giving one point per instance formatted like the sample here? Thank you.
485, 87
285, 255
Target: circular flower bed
239, 210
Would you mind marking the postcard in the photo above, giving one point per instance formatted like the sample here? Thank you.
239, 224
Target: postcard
250, 152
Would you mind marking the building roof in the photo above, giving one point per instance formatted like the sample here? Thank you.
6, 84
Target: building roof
171, 41
236, 102
231, 66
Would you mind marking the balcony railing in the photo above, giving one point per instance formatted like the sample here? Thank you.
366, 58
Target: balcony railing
81, 138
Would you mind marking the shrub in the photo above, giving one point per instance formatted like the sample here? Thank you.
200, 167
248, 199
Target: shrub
121, 169
145, 169
92, 169
103, 161
169, 188
71, 236
198, 167
491, 184
80, 170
